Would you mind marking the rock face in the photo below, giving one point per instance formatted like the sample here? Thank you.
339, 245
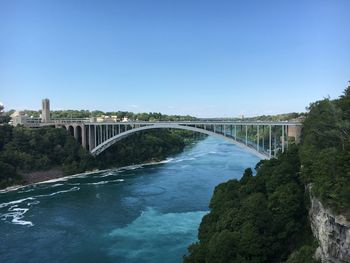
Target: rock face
332, 232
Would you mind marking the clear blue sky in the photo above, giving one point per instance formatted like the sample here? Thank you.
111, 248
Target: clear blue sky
204, 58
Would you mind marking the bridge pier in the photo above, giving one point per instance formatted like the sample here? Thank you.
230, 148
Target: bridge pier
270, 141
83, 136
294, 132
257, 138
282, 138
75, 132
100, 137
91, 136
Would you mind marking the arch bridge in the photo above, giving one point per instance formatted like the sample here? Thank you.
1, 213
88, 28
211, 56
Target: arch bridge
264, 139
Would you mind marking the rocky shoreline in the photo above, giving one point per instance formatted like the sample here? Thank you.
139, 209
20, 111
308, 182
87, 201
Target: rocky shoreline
40, 176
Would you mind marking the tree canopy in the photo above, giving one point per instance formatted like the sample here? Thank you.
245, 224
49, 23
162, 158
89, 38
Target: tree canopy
264, 218
24, 150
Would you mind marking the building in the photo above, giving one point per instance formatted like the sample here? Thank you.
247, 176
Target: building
45, 115
19, 118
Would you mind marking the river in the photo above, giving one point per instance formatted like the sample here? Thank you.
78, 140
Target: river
145, 213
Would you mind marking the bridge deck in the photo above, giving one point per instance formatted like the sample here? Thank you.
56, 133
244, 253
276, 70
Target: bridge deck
264, 138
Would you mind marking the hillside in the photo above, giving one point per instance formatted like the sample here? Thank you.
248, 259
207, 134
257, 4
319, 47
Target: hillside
264, 218
24, 150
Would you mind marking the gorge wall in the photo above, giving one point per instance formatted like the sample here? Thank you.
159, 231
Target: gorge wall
332, 232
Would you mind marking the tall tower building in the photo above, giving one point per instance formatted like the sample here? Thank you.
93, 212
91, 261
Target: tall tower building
45, 114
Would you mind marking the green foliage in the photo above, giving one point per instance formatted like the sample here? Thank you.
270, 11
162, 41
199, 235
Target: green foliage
23, 150
4, 119
263, 218
325, 151
259, 218
278, 117
146, 146
305, 254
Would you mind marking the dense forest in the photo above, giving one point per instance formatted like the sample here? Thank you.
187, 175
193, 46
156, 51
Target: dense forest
325, 152
24, 150
145, 146
260, 218
264, 218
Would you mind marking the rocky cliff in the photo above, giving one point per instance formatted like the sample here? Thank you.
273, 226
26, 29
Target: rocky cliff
332, 232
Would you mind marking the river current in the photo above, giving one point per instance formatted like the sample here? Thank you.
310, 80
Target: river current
142, 213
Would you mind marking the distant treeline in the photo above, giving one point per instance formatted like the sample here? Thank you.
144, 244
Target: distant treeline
151, 116
264, 218
24, 150
279, 117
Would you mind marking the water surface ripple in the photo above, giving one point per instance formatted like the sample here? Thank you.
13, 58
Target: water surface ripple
143, 213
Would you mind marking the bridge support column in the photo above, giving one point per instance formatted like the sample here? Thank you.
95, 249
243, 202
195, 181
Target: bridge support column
92, 139
270, 141
287, 139
257, 138
275, 143
106, 132
263, 138
100, 135
83, 136
246, 135
95, 135
282, 138
75, 132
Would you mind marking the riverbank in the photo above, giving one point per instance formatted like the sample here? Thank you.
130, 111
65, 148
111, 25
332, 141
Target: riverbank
43, 179
39, 176
29, 156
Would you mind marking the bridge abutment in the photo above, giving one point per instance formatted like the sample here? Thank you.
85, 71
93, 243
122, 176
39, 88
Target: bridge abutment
294, 132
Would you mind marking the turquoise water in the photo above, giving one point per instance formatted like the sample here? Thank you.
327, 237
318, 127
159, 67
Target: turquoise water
147, 213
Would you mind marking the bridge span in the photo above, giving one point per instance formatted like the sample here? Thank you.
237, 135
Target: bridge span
262, 138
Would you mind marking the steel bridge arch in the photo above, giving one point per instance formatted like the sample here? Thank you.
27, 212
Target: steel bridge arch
108, 143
